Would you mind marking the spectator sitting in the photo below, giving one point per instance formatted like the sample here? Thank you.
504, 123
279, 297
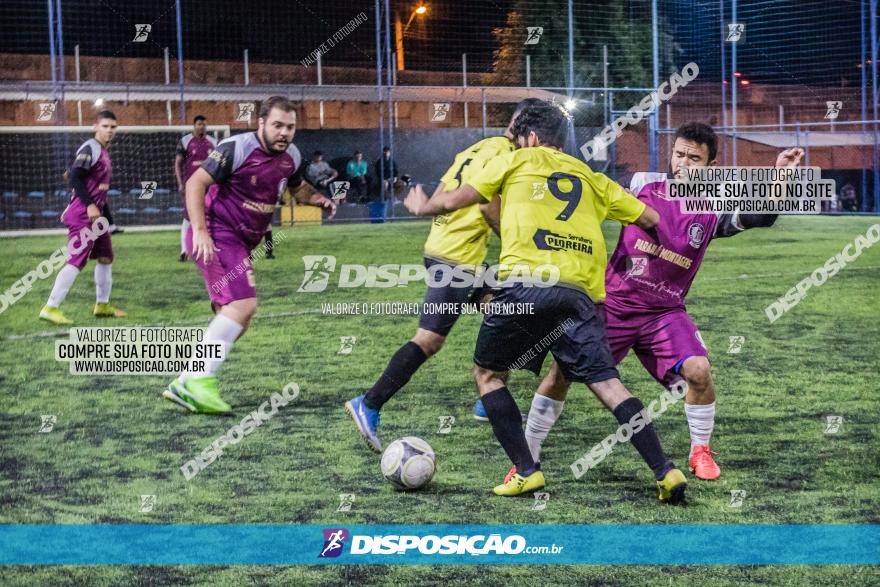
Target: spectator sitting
848, 201
356, 171
320, 174
390, 176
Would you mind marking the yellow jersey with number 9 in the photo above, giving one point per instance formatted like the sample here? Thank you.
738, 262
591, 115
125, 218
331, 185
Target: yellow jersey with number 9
462, 236
552, 207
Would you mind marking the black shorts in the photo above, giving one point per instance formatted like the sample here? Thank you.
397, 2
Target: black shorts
442, 322
565, 323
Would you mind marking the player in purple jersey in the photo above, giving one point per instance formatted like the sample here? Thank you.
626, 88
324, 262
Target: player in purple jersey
87, 237
647, 280
231, 199
192, 151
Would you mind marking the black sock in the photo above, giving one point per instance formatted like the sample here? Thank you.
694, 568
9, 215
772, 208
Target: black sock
401, 367
507, 424
270, 244
645, 440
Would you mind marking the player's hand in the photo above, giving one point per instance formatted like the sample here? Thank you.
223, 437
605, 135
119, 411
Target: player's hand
416, 199
94, 213
329, 205
203, 245
790, 157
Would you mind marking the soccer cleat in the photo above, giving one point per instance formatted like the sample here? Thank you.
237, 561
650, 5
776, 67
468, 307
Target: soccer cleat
510, 473
270, 255
702, 464
367, 421
107, 310
480, 412
519, 485
199, 396
54, 315
182, 257
672, 487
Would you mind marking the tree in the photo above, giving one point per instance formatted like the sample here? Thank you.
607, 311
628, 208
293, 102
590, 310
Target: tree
625, 27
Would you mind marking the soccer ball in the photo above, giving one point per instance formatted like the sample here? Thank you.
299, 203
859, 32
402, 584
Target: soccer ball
408, 463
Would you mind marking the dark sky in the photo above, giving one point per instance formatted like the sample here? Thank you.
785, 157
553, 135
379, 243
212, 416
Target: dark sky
787, 41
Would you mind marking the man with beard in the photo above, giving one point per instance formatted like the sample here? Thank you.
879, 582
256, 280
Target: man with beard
230, 201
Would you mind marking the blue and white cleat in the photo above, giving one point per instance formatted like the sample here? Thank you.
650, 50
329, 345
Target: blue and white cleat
480, 412
367, 421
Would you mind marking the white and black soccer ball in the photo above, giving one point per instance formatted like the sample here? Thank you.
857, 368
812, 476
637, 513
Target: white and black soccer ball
408, 463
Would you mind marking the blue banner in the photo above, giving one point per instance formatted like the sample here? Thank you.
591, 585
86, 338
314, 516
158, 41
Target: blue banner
155, 544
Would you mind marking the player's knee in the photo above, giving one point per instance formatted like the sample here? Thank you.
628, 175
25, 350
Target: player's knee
243, 309
698, 374
250, 307
429, 342
488, 380
555, 385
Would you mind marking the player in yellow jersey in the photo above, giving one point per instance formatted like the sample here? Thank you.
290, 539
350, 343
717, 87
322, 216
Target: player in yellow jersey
457, 243
552, 206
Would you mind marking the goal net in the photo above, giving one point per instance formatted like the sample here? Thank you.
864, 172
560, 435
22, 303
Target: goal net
33, 191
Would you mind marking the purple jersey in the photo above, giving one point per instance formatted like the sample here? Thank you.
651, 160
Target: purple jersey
249, 183
647, 275
195, 151
95, 159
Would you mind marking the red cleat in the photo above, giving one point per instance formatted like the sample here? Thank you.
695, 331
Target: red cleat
702, 464
510, 474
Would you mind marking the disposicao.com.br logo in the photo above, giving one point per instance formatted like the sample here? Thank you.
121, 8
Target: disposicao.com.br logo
476, 545
319, 268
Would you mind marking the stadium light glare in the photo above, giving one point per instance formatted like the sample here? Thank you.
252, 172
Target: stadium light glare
99, 102
421, 9
737, 74
570, 104
744, 82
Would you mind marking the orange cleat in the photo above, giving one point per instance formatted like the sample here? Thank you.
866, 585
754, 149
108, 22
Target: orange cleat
510, 473
702, 464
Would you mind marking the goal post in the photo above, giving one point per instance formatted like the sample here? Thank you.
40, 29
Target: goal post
33, 159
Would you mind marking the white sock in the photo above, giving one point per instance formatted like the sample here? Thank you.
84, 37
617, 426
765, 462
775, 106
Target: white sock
542, 416
221, 329
103, 282
183, 228
701, 421
63, 283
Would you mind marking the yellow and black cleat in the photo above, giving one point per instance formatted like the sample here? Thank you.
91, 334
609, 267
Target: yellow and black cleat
519, 485
107, 310
672, 487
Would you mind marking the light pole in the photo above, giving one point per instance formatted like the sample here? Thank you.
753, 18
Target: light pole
400, 30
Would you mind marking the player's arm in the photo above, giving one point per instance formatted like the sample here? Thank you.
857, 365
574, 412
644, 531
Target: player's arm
196, 188
492, 214
648, 219
735, 223
78, 175
480, 189
178, 168
418, 202
626, 208
304, 193
217, 168
179, 158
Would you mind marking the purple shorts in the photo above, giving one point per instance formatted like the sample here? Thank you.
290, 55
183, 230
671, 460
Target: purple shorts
229, 276
81, 250
661, 340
